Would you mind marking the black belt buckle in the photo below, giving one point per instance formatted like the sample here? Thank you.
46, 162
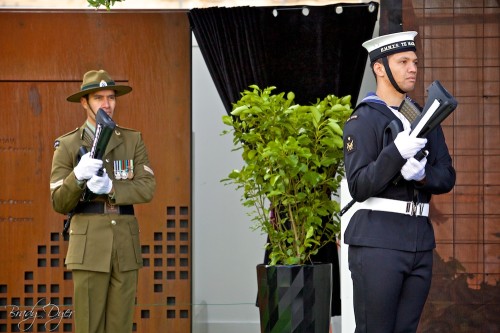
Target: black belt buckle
111, 209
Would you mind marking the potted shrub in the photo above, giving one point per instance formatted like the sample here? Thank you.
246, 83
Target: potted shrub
293, 166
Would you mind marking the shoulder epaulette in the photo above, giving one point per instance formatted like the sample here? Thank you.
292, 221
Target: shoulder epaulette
69, 133
353, 117
57, 141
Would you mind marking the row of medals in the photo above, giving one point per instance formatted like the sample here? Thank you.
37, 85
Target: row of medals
123, 169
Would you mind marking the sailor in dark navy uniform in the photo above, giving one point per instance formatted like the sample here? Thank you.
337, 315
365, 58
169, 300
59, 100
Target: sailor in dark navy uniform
390, 236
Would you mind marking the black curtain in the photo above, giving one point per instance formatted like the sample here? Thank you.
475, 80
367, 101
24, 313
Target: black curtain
312, 55
310, 50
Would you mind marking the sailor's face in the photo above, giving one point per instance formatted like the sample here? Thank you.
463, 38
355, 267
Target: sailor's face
404, 69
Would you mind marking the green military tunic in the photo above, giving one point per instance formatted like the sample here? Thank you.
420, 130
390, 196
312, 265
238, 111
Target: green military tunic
104, 251
93, 236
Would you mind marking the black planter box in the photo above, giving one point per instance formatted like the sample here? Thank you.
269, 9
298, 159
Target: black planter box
294, 299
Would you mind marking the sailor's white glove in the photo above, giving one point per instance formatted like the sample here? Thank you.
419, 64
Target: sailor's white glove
87, 167
407, 145
414, 169
100, 184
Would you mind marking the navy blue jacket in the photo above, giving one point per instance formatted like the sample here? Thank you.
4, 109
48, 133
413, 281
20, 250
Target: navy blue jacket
371, 164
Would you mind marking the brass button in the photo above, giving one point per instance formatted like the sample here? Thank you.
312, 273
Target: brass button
113, 222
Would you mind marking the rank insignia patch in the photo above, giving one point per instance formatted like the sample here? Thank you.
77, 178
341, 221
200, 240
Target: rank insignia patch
349, 144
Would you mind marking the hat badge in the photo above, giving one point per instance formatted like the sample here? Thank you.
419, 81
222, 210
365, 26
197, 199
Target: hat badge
103, 84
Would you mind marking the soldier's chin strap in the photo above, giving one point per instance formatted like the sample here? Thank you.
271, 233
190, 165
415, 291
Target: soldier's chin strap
389, 75
90, 107
95, 113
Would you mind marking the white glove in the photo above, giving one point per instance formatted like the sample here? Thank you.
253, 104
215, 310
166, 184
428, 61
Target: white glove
100, 184
407, 145
414, 169
87, 167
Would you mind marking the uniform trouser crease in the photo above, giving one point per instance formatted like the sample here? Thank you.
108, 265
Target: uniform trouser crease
390, 288
104, 302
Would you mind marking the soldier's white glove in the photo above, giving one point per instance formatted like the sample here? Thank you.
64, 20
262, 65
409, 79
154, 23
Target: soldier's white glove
407, 145
414, 169
87, 167
100, 184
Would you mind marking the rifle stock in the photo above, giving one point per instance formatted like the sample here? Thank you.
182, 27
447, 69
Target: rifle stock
447, 104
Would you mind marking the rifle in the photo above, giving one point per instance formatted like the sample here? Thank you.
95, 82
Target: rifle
104, 129
439, 105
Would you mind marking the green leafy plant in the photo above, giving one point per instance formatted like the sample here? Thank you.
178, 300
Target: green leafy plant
293, 167
106, 3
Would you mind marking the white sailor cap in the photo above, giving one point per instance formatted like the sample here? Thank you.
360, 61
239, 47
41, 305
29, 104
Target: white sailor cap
383, 46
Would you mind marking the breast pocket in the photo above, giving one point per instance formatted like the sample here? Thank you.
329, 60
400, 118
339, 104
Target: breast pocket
77, 240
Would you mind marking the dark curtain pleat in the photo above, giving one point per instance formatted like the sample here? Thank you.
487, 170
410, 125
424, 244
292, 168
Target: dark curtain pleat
313, 55
231, 43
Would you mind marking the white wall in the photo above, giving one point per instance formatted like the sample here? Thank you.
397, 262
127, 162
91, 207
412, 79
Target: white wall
225, 250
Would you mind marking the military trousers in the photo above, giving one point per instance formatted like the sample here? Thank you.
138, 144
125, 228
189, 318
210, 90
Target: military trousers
390, 288
104, 302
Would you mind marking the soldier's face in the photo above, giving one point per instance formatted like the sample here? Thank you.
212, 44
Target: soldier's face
404, 69
103, 99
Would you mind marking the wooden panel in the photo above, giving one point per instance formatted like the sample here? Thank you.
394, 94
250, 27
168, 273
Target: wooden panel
460, 47
44, 56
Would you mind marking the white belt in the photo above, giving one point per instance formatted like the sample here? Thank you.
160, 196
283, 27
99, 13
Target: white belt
395, 206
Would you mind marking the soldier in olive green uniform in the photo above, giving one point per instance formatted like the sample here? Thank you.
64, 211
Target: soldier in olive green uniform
104, 252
